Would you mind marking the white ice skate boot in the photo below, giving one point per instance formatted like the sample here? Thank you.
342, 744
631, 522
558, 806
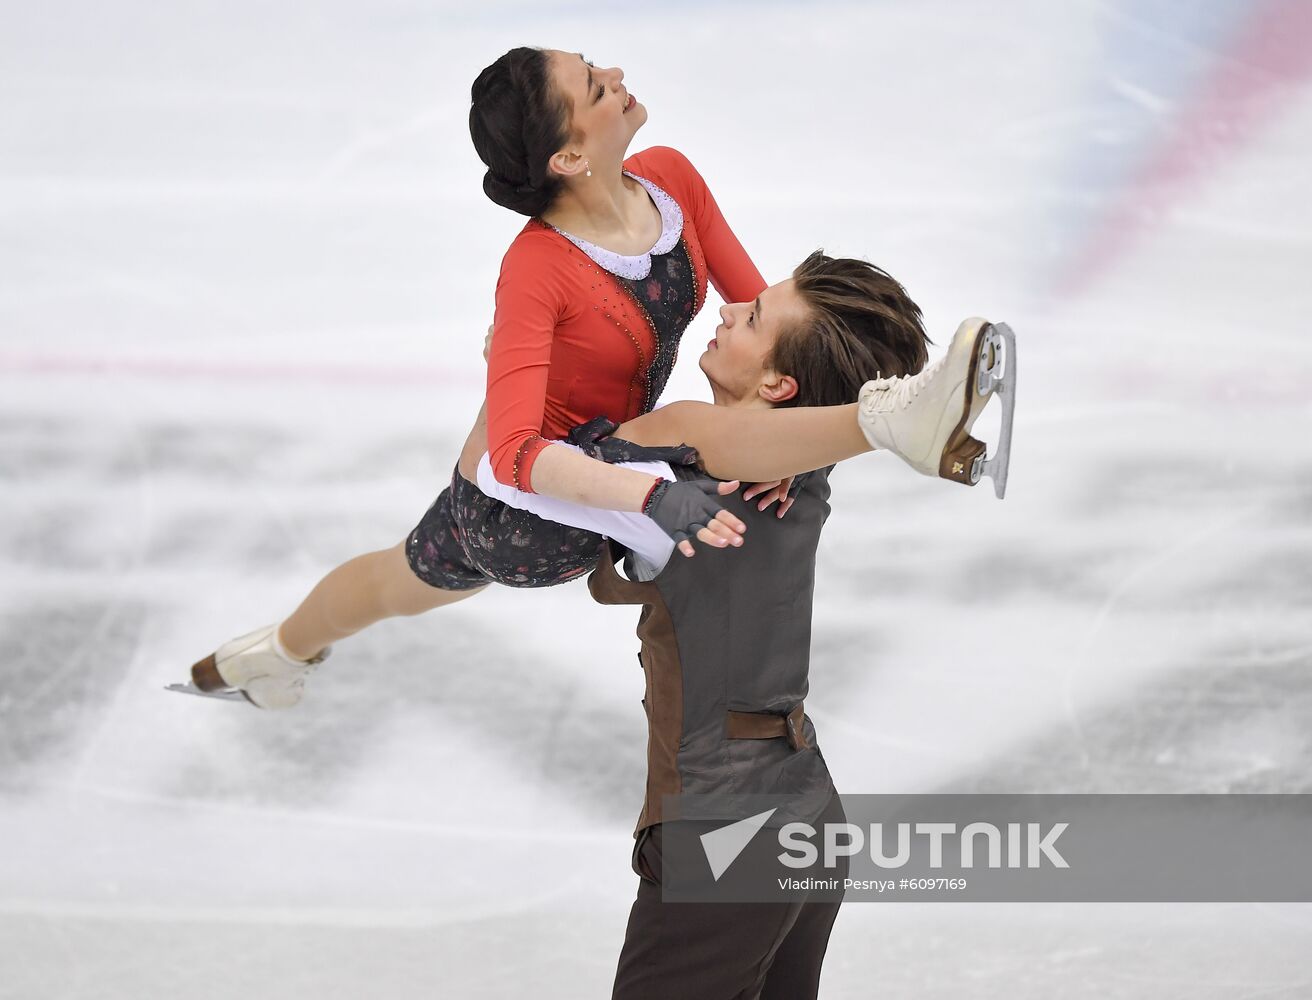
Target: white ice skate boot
926, 418
254, 667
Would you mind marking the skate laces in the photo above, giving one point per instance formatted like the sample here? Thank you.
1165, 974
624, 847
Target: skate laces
306, 668
896, 392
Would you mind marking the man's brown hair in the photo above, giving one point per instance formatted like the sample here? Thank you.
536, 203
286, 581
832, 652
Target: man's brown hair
860, 324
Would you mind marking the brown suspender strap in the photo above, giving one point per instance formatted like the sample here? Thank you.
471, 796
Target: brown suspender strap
755, 726
607, 586
764, 726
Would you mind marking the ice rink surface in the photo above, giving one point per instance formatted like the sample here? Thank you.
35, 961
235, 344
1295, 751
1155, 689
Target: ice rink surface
245, 271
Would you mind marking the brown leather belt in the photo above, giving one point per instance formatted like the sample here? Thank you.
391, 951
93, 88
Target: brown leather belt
765, 726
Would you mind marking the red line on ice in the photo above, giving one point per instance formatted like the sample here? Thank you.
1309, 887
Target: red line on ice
1271, 54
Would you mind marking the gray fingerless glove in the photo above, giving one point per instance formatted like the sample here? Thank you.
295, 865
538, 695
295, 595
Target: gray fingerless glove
682, 508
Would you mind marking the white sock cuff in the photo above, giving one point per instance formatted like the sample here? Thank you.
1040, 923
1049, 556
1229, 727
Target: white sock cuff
281, 650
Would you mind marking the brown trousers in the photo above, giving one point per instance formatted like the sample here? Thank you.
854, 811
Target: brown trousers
721, 951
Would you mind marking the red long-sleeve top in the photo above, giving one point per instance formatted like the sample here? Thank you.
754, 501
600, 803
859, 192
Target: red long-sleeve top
569, 344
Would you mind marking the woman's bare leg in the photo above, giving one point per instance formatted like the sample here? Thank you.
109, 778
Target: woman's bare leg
374, 586
358, 593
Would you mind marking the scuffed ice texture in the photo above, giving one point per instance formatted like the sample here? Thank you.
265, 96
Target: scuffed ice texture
245, 275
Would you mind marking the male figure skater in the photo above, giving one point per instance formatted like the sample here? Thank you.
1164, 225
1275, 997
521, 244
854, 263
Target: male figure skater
726, 636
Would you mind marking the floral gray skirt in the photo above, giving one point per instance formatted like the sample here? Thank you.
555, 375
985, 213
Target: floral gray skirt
467, 539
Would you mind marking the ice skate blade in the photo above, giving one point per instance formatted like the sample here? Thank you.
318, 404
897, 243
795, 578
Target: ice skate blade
226, 695
1004, 385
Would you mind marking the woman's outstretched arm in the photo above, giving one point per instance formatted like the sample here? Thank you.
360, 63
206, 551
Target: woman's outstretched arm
754, 444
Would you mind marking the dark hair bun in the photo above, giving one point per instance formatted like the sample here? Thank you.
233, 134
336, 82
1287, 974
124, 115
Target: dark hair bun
517, 123
522, 198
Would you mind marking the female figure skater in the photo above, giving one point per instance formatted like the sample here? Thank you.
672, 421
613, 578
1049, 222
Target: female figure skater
593, 296
837, 329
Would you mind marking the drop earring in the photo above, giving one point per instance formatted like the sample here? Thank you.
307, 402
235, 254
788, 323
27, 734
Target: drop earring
587, 169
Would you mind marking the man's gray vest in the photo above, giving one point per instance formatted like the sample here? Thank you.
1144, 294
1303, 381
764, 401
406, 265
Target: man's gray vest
726, 641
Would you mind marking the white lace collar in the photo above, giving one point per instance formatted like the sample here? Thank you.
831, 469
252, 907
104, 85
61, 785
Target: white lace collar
638, 266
